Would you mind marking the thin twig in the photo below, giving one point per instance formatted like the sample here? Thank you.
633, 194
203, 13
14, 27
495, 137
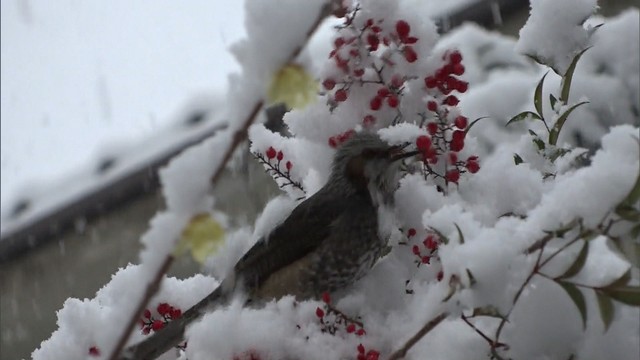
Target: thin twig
151, 289
402, 352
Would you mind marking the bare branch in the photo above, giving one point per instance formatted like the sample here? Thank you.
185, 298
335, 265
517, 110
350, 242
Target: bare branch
402, 352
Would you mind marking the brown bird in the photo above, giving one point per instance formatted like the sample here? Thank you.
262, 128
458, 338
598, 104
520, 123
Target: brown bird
329, 240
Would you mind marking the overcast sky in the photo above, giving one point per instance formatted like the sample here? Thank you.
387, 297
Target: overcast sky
80, 75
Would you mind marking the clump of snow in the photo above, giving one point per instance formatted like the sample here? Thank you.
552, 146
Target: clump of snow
554, 32
83, 324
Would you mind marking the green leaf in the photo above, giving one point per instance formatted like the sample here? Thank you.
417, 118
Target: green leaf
578, 264
523, 116
606, 309
565, 85
623, 280
460, 236
576, 296
553, 101
444, 239
532, 133
517, 159
629, 295
635, 231
628, 212
537, 97
555, 132
539, 143
472, 279
474, 122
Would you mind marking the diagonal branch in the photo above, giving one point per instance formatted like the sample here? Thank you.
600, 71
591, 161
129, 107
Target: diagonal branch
238, 137
402, 352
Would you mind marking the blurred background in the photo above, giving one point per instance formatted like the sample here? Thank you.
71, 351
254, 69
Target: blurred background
95, 97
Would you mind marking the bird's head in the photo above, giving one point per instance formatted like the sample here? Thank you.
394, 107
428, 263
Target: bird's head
366, 162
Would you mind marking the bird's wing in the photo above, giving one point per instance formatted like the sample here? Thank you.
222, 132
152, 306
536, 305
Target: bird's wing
302, 232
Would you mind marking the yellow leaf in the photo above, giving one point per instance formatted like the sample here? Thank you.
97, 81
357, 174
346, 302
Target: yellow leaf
293, 86
203, 235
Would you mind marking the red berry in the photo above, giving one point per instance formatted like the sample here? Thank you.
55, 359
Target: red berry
430, 82
403, 29
289, 165
456, 145
472, 166
458, 69
368, 120
432, 128
94, 351
451, 100
423, 143
358, 72
411, 232
462, 87
410, 40
392, 101
351, 328
373, 40
383, 92
455, 57
430, 243
373, 355
147, 314
453, 176
326, 298
376, 29
354, 52
146, 330
157, 325
319, 313
460, 122
338, 42
341, 95
453, 158
361, 349
176, 313
375, 103
397, 81
271, 153
329, 84
369, 22
457, 141
409, 54
164, 308
432, 106
425, 259
415, 249
280, 156
360, 332
440, 275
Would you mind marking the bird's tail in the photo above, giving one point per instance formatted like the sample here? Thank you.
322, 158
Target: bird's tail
173, 333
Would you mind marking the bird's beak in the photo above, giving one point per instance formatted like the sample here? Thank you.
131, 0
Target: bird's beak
397, 153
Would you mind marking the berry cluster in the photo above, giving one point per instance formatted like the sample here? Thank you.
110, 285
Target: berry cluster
447, 129
366, 54
166, 313
332, 320
428, 250
273, 161
363, 354
336, 140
